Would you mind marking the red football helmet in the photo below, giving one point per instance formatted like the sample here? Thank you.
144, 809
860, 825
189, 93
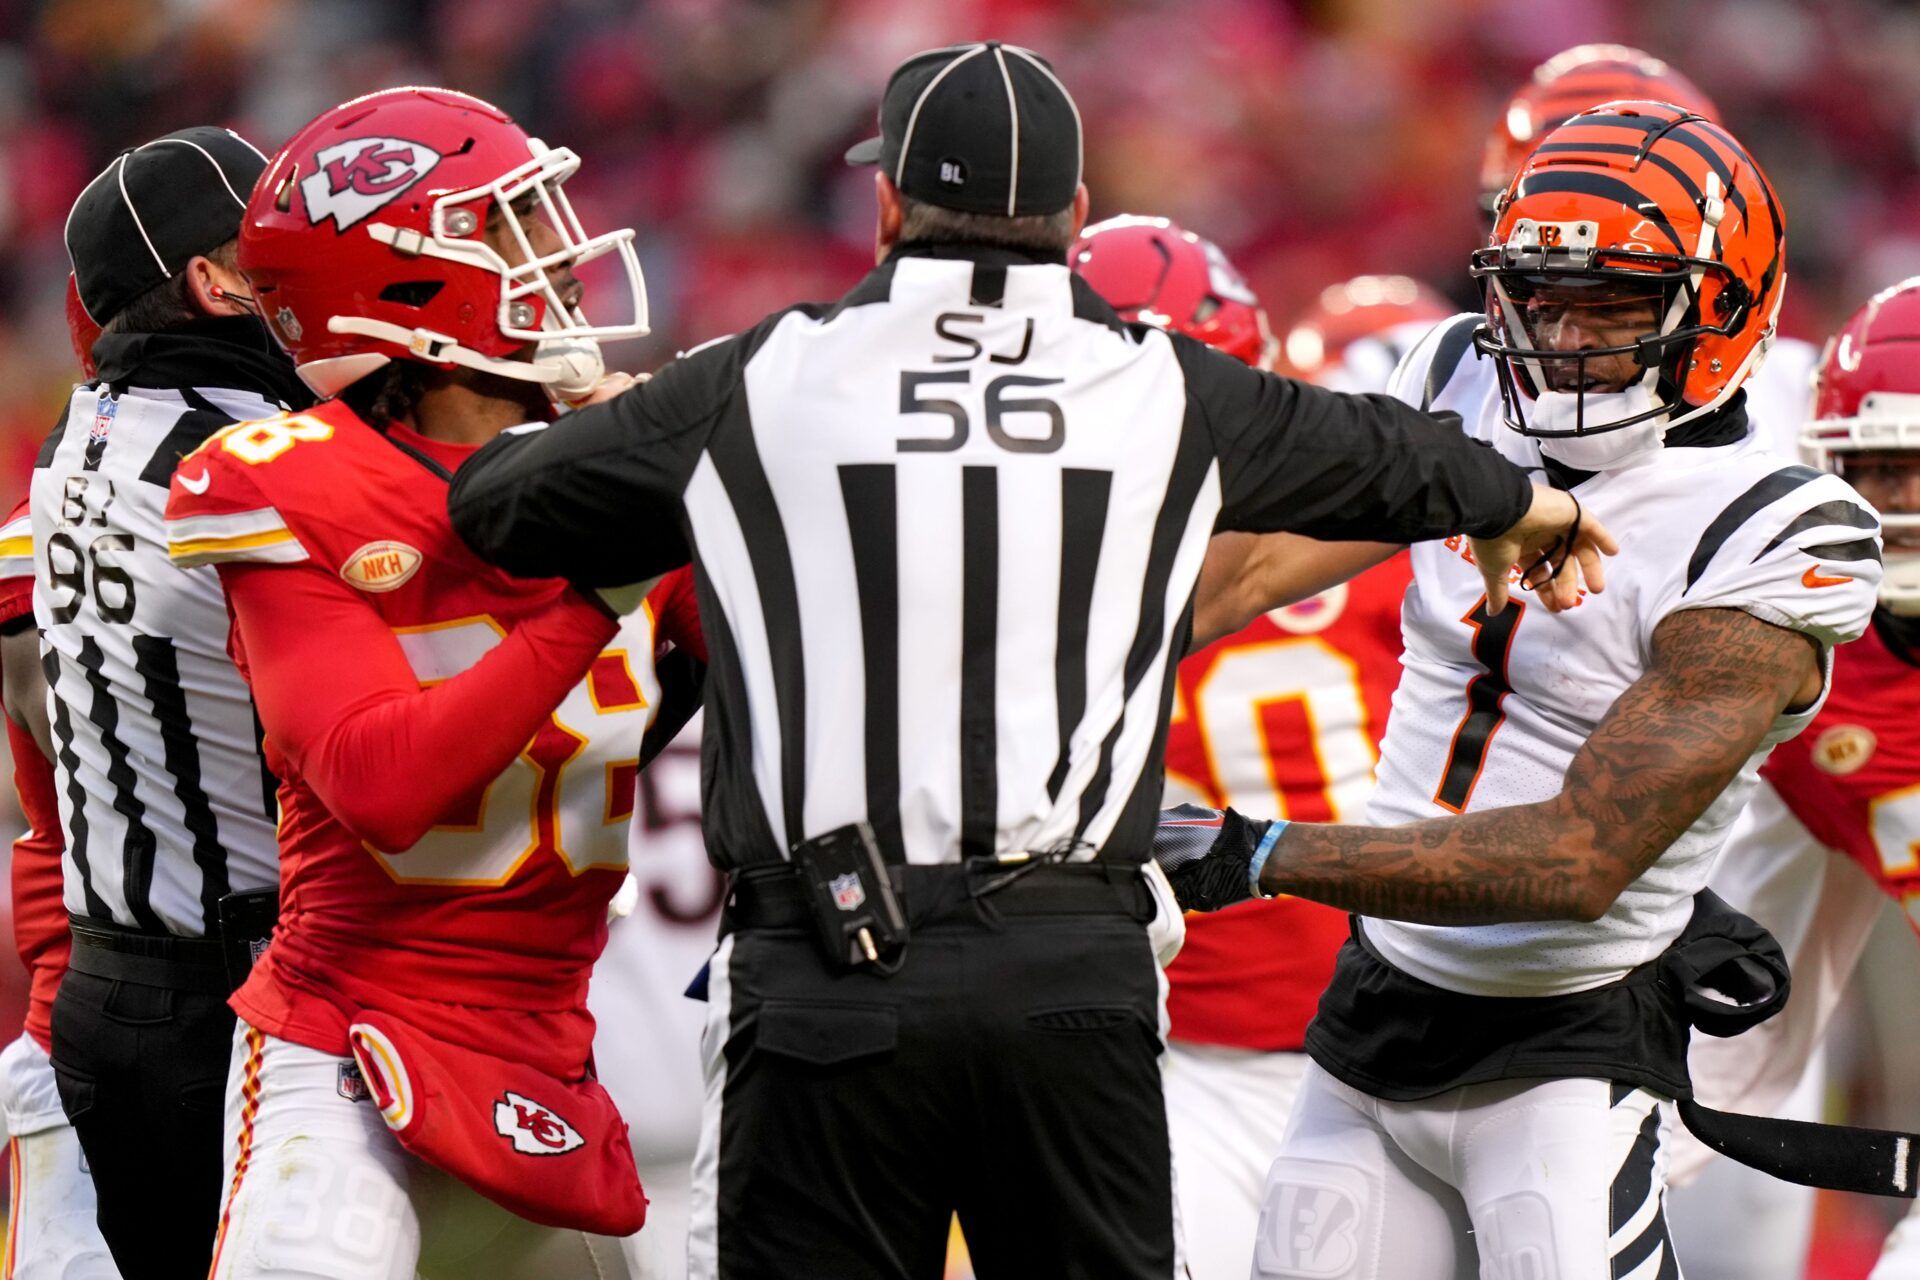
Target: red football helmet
82, 329
1568, 83
367, 239
1153, 271
1363, 307
1866, 426
1631, 206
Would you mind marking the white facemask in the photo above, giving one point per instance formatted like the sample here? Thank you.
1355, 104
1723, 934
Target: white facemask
1602, 450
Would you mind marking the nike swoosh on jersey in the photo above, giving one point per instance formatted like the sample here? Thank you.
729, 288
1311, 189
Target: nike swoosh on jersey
196, 487
1813, 578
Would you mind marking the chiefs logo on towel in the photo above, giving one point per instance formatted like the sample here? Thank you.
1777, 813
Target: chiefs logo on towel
533, 1129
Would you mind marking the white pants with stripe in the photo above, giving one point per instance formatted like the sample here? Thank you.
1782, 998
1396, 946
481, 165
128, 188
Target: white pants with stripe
1518, 1180
318, 1187
51, 1233
1227, 1113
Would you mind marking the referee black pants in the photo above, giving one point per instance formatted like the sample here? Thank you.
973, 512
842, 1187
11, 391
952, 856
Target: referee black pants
1009, 1073
142, 1072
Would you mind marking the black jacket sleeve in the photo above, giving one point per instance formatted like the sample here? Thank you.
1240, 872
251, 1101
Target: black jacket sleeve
1300, 459
596, 496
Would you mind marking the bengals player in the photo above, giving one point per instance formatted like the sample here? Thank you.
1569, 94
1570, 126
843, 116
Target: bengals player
1284, 714
412, 1086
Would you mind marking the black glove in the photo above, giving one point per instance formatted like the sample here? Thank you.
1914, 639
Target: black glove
1208, 855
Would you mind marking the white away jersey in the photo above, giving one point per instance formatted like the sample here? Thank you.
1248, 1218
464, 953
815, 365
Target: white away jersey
166, 802
1490, 710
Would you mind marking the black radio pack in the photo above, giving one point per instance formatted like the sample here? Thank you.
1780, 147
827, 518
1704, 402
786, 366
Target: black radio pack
855, 910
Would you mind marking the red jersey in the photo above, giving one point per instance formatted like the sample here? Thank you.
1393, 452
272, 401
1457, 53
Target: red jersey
457, 748
1280, 719
40, 930
1853, 777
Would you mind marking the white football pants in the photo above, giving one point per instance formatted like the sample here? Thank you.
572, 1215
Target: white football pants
1517, 1180
1226, 1114
319, 1188
51, 1233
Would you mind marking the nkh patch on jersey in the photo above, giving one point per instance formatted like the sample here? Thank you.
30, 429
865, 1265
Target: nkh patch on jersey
1491, 708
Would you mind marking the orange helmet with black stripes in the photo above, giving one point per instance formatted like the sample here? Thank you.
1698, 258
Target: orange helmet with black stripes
1570, 82
1633, 203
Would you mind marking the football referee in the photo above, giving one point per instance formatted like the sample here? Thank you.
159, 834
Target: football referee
947, 532
167, 806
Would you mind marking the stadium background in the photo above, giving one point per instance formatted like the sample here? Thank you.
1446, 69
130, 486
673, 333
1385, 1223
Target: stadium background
1313, 140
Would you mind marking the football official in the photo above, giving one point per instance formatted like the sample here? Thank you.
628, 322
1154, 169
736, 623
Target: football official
167, 806
947, 531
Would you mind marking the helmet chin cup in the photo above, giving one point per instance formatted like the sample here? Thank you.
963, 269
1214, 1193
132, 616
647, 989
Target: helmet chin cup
577, 364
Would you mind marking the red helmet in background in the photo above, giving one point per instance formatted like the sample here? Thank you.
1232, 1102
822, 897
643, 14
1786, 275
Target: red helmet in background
81, 329
1866, 425
1647, 200
1153, 271
1316, 343
1567, 84
366, 240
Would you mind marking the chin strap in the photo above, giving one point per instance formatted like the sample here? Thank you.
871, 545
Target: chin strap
438, 348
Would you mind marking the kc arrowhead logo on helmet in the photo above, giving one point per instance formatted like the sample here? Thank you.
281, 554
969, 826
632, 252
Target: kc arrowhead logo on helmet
533, 1129
358, 176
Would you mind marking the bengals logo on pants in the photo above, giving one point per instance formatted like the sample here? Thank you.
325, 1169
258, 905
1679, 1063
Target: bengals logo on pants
533, 1129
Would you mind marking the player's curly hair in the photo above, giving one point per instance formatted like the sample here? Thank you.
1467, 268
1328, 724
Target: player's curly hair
388, 394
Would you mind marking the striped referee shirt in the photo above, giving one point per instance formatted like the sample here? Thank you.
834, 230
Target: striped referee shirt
947, 532
165, 799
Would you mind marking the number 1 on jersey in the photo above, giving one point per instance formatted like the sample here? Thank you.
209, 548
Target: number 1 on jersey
1486, 696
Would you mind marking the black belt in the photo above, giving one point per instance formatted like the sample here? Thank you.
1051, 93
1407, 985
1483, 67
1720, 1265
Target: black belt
151, 959
777, 898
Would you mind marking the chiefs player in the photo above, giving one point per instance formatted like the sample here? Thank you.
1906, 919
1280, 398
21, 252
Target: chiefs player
50, 1213
1284, 713
1850, 785
457, 748
1356, 331
1565, 85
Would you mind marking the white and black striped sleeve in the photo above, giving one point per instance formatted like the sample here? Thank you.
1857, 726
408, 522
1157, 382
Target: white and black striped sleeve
1301, 459
595, 497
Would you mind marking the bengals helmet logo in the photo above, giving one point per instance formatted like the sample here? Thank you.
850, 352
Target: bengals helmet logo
352, 179
533, 1129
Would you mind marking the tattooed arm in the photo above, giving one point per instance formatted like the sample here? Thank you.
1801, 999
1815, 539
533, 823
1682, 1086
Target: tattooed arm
1664, 751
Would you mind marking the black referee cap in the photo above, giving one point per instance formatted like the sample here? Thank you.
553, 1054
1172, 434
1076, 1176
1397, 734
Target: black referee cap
982, 128
153, 208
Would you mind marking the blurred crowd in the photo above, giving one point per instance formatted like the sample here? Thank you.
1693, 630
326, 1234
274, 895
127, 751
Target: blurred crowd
1314, 139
